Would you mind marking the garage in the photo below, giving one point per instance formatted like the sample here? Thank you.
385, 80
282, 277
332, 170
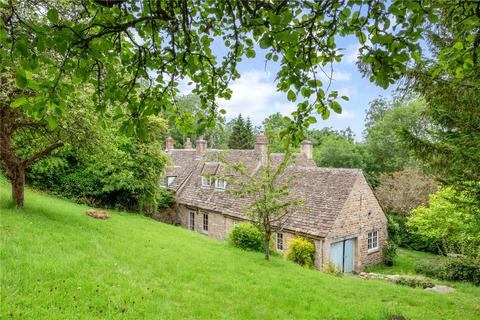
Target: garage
342, 255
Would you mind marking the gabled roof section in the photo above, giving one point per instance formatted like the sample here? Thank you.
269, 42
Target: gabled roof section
183, 164
323, 190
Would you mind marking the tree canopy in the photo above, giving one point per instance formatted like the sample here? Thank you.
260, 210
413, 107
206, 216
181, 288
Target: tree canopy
138, 51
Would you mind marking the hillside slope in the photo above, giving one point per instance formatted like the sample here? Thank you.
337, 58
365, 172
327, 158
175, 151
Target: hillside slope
57, 263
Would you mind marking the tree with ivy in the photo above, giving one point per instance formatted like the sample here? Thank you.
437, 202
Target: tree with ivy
135, 52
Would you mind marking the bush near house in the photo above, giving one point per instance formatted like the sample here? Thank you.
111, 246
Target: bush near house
451, 220
405, 238
246, 236
301, 251
389, 252
454, 269
433, 268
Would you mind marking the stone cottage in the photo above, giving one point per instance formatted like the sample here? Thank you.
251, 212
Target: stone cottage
340, 213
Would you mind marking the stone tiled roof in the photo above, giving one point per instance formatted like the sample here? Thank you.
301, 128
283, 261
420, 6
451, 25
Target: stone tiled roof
323, 190
183, 164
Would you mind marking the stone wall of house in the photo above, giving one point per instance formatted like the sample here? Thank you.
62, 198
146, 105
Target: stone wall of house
289, 236
218, 224
360, 215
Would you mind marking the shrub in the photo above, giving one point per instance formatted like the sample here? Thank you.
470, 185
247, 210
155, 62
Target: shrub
389, 252
165, 198
433, 268
332, 269
301, 251
394, 231
407, 239
246, 236
451, 220
455, 269
463, 269
414, 282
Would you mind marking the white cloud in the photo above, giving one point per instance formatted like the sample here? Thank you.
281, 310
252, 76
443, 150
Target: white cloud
352, 53
255, 95
335, 76
348, 91
184, 86
345, 115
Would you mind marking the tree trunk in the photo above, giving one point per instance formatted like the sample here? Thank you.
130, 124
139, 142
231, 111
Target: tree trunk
14, 165
18, 185
267, 235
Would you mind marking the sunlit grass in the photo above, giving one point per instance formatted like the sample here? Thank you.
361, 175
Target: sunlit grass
57, 263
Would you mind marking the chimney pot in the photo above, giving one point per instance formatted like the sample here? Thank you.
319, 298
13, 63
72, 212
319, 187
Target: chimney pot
169, 144
261, 145
188, 144
200, 147
306, 148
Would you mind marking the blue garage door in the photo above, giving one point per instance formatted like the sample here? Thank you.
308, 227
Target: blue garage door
342, 253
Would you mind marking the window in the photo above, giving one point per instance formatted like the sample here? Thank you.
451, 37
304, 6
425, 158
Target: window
206, 181
205, 222
220, 184
191, 220
279, 242
372, 240
170, 180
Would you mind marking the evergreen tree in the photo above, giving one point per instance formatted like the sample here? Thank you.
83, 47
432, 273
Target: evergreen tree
249, 134
242, 136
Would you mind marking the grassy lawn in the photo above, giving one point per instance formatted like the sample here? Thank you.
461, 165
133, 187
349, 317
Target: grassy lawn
404, 263
57, 263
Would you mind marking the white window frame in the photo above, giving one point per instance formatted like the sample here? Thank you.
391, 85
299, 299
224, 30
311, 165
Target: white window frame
372, 241
205, 223
206, 181
170, 180
191, 220
279, 241
220, 184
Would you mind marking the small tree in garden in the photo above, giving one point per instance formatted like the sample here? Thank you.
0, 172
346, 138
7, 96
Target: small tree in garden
450, 220
402, 191
269, 192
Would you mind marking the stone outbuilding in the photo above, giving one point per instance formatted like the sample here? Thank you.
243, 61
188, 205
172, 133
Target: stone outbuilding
340, 213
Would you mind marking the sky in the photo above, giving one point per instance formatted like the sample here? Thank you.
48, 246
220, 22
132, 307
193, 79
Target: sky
255, 94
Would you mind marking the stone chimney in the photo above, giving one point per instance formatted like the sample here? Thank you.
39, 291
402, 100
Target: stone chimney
169, 144
200, 147
306, 148
261, 145
187, 144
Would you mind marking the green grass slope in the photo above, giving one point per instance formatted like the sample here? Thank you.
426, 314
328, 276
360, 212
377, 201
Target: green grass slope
57, 263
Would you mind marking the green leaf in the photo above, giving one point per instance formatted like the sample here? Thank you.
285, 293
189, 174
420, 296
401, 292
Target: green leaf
274, 19
19, 102
345, 98
52, 123
325, 114
291, 96
336, 107
458, 45
52, 15
20, 78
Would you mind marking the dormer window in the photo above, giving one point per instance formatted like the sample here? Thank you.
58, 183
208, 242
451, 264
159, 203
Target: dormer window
206, 181
169, 180
220, 184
